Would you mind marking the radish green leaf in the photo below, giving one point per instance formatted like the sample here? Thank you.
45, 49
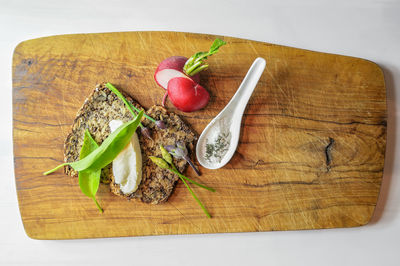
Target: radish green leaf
196, 63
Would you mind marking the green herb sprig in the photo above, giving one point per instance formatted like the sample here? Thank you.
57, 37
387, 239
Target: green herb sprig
131, 107
89, 180
196, 63
107, 151
167, 163
167, 157
180, 151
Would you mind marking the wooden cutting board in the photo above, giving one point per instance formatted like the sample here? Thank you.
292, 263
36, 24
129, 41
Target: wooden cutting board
310, 156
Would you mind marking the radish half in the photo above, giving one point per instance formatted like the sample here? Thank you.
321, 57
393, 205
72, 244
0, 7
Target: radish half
187, 95
172, 67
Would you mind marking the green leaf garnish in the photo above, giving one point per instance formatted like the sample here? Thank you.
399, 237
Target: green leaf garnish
190, 180
167, 163
165, 154
108, 150
89, 180
196, 63
160, 162
129, 105
196, 198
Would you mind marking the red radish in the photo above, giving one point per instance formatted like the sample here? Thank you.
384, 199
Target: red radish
180, 77
187, 95
170, 68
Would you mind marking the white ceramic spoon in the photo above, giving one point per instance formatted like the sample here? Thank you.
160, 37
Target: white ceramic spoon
228, 121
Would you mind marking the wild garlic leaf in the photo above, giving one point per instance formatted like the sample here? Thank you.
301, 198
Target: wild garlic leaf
110, 147
89, 180
119, 94
108, 150
129, 105
89, 145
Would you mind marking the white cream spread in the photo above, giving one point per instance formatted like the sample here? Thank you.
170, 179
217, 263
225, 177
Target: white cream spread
127, 166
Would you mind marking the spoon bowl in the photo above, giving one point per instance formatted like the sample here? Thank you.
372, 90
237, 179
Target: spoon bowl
219, 140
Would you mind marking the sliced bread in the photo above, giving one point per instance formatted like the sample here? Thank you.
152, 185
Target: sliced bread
98, 110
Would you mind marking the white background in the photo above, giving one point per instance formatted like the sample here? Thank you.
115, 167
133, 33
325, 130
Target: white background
368, 29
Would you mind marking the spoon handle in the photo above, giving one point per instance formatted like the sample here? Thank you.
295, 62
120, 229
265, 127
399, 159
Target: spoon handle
246, 88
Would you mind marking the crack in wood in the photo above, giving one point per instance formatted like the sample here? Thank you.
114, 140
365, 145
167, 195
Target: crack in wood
328, 154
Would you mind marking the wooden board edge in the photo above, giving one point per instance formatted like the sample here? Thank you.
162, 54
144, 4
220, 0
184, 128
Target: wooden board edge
43, 237
383, 80
192, 33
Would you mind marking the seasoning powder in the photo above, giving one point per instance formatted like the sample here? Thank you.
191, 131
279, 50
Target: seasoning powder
217, 144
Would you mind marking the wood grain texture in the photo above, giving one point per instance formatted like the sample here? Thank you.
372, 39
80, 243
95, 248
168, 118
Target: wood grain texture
310, 156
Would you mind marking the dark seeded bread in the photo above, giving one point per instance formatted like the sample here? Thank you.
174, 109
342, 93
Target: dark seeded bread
99, 109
